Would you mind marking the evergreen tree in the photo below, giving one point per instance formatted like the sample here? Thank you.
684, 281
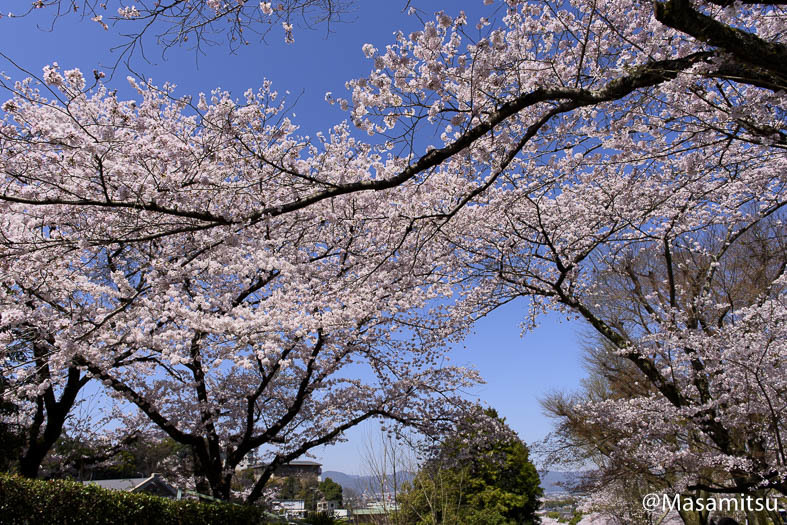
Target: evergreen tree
331, 490
467, 483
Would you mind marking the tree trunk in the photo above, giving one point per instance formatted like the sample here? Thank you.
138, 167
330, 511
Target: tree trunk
30, 461
52, 414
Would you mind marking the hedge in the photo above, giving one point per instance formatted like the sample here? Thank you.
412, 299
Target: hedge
28, 502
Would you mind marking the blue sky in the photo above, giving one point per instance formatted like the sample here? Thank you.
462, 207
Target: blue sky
518, 370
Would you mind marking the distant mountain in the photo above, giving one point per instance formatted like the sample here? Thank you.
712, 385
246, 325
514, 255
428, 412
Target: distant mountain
550, 481
368, 484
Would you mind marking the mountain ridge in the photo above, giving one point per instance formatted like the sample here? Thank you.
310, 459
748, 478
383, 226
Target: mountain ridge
551, 481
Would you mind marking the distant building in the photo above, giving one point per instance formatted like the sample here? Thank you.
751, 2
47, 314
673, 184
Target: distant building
293, 469
299, 469
373, 512
291, 508
328, 506
383, 506
154, 484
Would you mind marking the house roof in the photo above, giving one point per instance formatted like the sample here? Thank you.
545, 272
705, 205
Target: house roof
368, 512
132, 484
290, 504
127, 484
290, 464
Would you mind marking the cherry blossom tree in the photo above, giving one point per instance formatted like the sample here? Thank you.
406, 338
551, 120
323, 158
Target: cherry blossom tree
677, 179
283, 340
48, 311
618, 482
573, 136
628, 135
42, 393
652, 131
277, 334
705, 335
497, 101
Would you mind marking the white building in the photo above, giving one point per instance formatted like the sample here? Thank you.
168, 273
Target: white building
328, 506
292, 508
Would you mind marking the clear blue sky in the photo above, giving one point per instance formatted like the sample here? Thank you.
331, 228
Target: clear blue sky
518, 370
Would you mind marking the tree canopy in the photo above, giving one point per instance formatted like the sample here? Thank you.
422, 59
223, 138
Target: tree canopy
330, 490
464, 482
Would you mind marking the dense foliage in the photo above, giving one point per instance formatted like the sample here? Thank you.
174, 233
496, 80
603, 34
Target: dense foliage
24, 501
330, 490
466, 484
297, 488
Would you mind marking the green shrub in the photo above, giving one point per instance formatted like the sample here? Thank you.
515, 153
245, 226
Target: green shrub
321, 518
28, 502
